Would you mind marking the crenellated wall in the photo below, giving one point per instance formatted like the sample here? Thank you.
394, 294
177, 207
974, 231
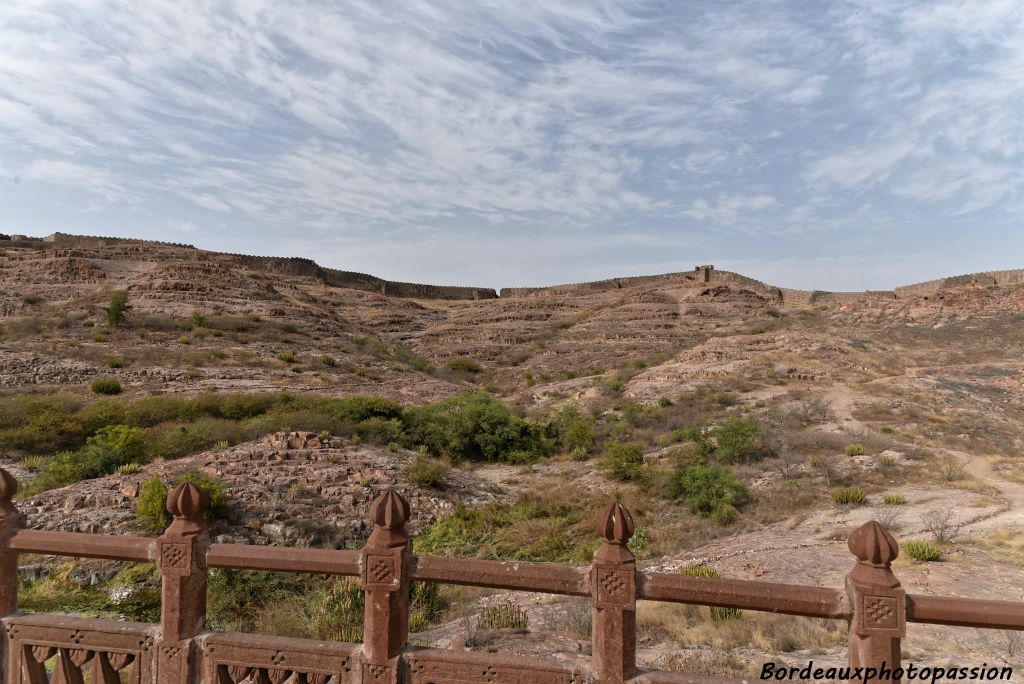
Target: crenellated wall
705, 274
291, 265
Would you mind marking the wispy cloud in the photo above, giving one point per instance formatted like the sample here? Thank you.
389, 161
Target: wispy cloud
518, 119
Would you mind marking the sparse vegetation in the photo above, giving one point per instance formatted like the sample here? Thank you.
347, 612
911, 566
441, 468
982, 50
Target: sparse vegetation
894, 499
105, 386
428, 472
923, 551
117, 312
849, 496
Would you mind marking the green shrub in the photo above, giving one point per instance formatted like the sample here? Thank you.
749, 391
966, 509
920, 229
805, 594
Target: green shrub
849, 496
640, 543
718, 613
102, 413
115, 363
150, 411
473, 426
117, 312
707, 489
176, 440
894, 499
128, 469
735, 438
615, 385
623, 462
428, 472
530, 529
921, 550
151, 508
105, 386
855, 449
198, 320
464, 364
287, 357
572, 430
664, 402
329, 361
111, 447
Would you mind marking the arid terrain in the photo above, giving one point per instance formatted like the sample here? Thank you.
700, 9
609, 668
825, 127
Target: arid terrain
812, 411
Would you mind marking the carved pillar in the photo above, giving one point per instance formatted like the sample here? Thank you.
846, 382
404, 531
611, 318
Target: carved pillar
10, 521
385, 579
879, 603
181, 557
613, 592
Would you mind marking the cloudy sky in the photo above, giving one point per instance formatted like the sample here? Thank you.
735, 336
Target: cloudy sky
841, 145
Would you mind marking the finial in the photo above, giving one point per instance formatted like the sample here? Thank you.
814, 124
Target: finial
389, 510
616, 524
873, 545
186, 503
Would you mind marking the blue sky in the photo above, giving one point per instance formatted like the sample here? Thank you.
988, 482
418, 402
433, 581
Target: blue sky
840, 145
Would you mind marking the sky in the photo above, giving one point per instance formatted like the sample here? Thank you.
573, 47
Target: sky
848, 145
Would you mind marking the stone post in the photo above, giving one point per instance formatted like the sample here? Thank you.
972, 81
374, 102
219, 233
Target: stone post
385, 579
10, 521
879, 603
613, 591
181, 557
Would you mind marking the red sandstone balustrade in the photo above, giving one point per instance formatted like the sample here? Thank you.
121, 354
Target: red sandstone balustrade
181, 650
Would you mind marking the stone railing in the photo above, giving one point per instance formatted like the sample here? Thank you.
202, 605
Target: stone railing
37, 649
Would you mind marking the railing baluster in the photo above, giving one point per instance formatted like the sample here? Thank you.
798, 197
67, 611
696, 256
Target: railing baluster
613, 592
879, 603
181, 556
385, 579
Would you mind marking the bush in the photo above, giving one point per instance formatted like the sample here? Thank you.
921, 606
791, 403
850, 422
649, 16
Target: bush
464, 364
530, 529
105, 386
117, 312
855, 450
894, 499
735, 438
287, 357
473, 426
921, 550
151, 509
708, 490
572, 430
428, 472
849, 496
115, 363
111, 447
184, 439
623, 462
150, 411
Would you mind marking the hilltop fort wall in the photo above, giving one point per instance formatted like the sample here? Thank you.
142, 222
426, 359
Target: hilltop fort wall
299, 266
705, 274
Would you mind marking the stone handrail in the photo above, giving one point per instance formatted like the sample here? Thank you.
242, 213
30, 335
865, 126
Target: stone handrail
181, 650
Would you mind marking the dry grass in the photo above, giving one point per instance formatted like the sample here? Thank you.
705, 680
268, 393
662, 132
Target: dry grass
692, 626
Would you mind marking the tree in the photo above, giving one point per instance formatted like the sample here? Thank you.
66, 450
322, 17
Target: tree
117, 312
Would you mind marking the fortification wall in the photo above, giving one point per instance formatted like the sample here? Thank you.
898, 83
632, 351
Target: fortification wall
299, 266
1007, 277
361, 281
